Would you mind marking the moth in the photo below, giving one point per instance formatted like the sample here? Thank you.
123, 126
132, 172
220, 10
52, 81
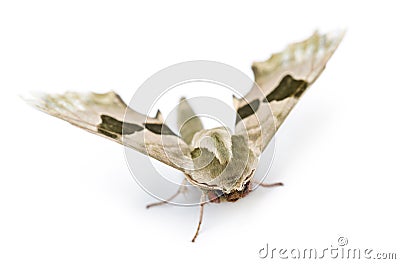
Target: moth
220, 163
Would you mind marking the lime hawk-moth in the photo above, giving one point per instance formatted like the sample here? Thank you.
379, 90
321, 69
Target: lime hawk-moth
220, 163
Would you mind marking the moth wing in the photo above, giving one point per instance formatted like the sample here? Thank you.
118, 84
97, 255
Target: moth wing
280, 81
188, 122
107, 115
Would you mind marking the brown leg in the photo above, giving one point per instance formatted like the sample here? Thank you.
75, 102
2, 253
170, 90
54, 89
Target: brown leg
269, 184
180, 190
202, 203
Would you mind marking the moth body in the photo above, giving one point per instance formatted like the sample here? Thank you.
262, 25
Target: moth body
222, 162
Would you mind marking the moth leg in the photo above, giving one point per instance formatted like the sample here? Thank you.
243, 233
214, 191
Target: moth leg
181, 189
202, 203
268, 185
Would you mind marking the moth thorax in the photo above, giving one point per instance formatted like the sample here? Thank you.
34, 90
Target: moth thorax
216, 140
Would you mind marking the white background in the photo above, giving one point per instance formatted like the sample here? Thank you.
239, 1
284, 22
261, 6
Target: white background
67, 196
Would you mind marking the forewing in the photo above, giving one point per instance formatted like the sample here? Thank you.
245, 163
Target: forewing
107, 115
280, 81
